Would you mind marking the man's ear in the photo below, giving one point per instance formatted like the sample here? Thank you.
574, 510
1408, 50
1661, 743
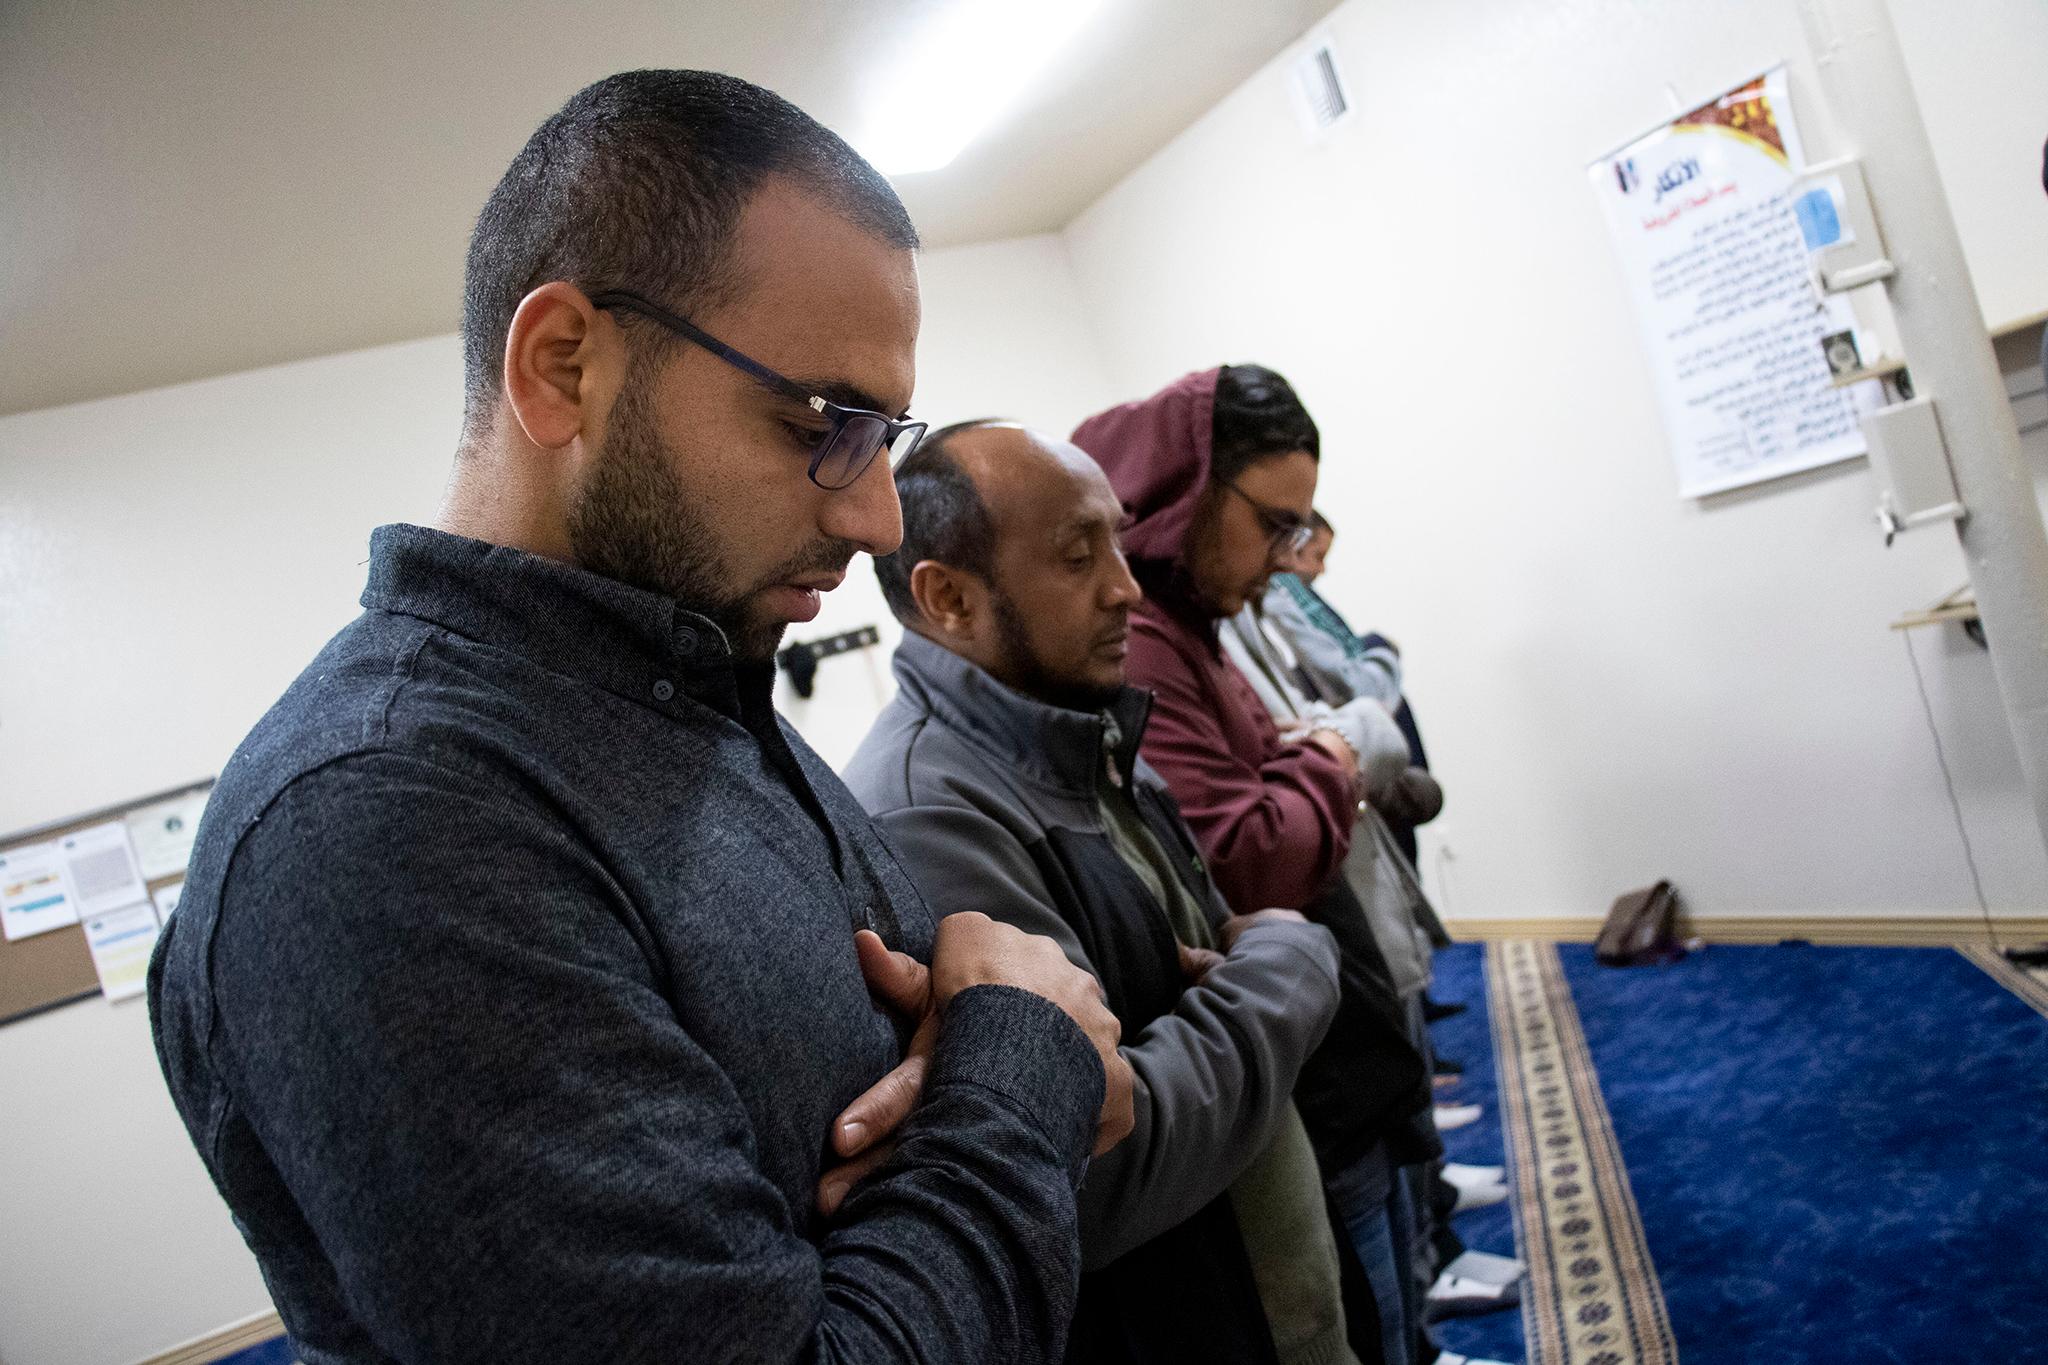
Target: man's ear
949, 600
564, 364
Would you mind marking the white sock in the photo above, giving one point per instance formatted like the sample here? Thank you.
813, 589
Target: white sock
1479, 1197
1449, 1116
1461, 1175
1449, 1286
1482, 1265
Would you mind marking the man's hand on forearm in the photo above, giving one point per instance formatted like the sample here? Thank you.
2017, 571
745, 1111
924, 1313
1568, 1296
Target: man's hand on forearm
1336, 746
975, 951
864, 1134
1196, 962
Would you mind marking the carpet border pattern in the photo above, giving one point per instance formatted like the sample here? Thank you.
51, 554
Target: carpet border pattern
2026, 985
1592, 1296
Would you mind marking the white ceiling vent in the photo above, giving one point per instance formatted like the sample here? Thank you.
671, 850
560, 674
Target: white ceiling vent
1320, 96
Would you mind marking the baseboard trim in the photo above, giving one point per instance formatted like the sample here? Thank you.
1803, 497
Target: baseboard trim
2027, 985
218, 1345
1838, 930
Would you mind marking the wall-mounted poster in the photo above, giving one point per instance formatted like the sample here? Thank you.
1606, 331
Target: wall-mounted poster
1701, 211
162, 832
121, 943
34, 897
99, 864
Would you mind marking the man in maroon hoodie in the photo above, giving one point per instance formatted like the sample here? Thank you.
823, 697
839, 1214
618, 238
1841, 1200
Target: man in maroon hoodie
1208, 529
1217, 472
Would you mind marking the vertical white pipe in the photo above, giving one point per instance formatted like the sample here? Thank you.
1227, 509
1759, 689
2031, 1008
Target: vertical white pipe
1863, 74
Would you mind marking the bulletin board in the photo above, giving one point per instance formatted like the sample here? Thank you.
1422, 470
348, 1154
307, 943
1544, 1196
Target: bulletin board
110, 866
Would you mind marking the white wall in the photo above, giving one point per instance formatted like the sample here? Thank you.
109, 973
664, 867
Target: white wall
1616, 684
169, 561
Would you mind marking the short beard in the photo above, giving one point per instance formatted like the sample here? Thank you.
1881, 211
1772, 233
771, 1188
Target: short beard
633, 521
1029, 675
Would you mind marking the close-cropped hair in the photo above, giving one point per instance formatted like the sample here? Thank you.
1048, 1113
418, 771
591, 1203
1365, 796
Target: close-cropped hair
1257, 415
944, 519
638, 183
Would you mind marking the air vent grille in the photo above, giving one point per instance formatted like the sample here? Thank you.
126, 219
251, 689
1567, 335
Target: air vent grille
1323, 87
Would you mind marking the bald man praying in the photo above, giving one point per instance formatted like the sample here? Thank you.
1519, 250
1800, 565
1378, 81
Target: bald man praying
1008, 763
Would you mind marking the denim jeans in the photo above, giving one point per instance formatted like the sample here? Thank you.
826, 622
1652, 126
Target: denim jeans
1412, 1245
1382, 1244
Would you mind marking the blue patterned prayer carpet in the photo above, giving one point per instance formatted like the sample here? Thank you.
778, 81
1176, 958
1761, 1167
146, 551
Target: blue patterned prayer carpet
1460, 977
1762, 1154
1840, 1154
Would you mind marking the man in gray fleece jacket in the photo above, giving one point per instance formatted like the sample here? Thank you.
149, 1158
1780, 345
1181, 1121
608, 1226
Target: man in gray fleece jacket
1008, 763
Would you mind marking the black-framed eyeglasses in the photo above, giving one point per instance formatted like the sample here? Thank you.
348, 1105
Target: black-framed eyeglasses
844, 450
1290, 533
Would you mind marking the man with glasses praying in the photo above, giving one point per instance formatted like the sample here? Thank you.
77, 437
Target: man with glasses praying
537, 995
1218, 472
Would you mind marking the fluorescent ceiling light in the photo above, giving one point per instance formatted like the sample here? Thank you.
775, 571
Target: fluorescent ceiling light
966, 67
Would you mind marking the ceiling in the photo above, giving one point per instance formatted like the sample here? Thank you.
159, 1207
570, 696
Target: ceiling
195, 187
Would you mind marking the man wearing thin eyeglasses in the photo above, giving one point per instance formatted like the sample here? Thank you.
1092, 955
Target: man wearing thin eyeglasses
536, 994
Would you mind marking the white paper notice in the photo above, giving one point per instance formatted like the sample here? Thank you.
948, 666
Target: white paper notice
121, 942
34, 897
100, 865
166, 899
1701, 210
162, 834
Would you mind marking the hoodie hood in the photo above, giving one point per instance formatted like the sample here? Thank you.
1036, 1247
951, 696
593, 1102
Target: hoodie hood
1156, 454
